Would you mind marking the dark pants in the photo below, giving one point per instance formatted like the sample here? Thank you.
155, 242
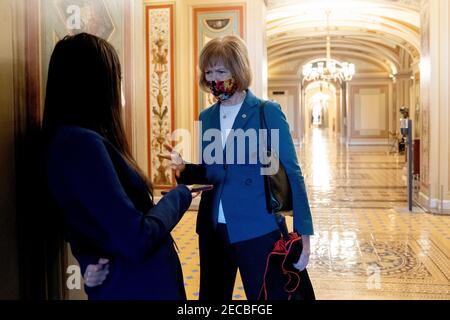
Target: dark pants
219, 261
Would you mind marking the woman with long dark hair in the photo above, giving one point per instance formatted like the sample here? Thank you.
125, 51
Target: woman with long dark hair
106, 199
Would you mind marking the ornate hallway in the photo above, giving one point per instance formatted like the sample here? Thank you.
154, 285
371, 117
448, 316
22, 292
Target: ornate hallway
352, 68
362, 247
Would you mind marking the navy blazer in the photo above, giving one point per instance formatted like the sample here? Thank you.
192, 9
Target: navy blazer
241, 186
108, 213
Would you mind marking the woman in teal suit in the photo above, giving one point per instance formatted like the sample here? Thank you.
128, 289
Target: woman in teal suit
234, 227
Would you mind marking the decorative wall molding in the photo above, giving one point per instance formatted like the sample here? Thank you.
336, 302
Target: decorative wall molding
209, 23
160, 89
381, 132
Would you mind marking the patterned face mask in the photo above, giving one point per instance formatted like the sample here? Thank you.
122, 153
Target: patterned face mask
223, 90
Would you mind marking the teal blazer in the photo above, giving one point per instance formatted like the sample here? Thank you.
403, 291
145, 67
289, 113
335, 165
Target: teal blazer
241, 186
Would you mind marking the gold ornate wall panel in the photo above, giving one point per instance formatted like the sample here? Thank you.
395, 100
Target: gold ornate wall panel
160, 89
425, 79
209, 23
369, 110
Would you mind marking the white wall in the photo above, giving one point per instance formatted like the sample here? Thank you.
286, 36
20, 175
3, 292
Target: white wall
370, 112
287, 103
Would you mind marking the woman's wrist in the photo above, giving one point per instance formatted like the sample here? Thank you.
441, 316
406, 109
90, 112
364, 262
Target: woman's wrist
306, 244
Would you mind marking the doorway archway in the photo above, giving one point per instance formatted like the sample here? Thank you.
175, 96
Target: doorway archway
321, 106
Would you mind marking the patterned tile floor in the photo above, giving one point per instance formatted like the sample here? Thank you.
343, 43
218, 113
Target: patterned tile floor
363, 247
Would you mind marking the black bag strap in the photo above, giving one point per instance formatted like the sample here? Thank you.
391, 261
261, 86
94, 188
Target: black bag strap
263, 123
282, 226
279, 219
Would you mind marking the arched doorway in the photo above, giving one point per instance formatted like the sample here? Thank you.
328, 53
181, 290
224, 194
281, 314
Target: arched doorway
320, 107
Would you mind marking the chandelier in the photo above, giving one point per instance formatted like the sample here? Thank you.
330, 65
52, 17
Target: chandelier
328, 69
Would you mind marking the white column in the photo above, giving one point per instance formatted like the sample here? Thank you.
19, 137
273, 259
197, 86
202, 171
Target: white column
255, 18
435, 179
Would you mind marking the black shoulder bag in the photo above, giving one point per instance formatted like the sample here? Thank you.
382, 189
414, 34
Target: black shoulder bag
277, 187
281, 278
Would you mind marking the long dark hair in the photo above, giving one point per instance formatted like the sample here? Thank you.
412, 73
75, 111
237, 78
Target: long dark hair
84, 89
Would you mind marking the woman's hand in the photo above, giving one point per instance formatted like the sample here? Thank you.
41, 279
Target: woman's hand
176, 161
304, 257
95, 274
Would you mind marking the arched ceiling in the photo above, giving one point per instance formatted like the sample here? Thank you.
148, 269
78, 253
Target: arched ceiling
380, 34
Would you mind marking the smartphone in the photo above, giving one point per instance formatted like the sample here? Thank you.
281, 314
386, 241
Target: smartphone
201, 187
195, 188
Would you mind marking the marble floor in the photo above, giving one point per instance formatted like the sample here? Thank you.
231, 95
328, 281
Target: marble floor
365, 246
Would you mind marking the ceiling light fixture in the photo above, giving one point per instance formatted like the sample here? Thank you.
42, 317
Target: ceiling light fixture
328, 69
